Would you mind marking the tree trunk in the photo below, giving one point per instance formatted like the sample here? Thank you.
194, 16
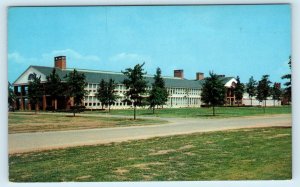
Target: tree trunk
213, 110
274, 102
73, 113
108, 108
55, 104
36, 108
153, 108
251, 101
265, 106
134, 112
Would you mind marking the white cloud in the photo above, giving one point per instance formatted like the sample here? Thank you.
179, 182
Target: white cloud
72, 54
129, 57
74, 59
20, 59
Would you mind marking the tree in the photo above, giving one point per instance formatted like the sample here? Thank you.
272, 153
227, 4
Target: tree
35, 91
54, 87
158, 94
136, 85
187, 95
276, 92
239, 90
213, 91
106, 93
101, 92
288, 84
76, 83
263, 89
251, 88
11, 97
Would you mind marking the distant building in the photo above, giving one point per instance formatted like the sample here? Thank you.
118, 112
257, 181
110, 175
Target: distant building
182, 92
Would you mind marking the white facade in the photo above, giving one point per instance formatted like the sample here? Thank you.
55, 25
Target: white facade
269, 102
178, 97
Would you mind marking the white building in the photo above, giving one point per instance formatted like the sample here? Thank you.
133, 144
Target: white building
182, 92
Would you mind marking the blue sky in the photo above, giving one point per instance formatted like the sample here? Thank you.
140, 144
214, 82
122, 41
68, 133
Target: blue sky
244, 40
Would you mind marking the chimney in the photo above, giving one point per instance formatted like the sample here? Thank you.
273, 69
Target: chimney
199, 76
60, 62
178, 73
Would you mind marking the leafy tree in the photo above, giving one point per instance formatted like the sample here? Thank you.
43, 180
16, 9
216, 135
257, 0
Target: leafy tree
136, 84
158, 94
276, 92
35, 91
54, 87
101, 92
251, 88
187, 95
11, 97
213, 91
75, 88
106, 93
239, 90
288, 84
263, 89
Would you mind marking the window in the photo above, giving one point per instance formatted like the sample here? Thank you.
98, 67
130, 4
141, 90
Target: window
31, 76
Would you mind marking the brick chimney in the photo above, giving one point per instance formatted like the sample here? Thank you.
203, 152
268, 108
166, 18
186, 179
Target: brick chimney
178, 73
60, 62
199, 76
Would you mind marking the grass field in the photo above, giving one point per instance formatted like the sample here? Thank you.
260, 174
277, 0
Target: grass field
227, 155
27, 122
221, 112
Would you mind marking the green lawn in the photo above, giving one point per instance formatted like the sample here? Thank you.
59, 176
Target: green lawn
29, 122
227, 155
221, 112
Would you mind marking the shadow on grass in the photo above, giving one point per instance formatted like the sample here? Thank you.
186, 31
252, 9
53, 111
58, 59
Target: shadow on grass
208, 115
71, 116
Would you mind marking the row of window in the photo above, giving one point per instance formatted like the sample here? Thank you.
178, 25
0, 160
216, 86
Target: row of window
93, 101
122, 89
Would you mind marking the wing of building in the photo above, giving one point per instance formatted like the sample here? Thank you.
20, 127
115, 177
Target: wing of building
182, 92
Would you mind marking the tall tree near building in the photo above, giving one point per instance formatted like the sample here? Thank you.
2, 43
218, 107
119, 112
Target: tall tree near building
187, 96
288, 84
101, 93
239, 90
251, 88
11, 97
106, 93
276, 92
213, 91
136, 85
54, 87
263, 90
76, 83
158, 95
35, 91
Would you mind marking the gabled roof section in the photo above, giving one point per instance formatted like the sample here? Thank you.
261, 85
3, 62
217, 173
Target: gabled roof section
23, 78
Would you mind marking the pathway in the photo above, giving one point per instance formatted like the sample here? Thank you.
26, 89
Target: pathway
25, 142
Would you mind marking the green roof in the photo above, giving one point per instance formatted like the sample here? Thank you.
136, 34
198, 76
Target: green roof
93, 76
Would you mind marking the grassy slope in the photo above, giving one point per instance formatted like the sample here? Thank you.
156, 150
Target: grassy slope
20, 122
228, 155
221, 112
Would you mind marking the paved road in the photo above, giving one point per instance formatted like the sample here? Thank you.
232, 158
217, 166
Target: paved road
25, 142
